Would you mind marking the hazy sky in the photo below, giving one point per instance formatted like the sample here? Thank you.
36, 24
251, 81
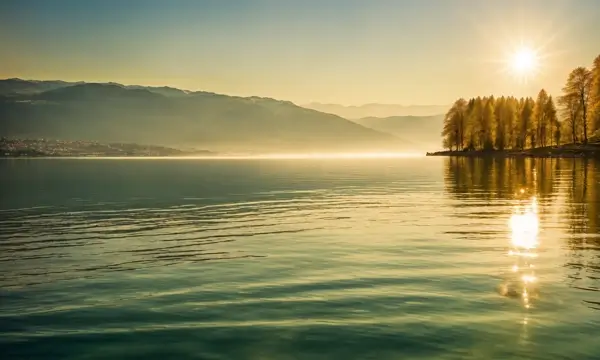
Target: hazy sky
339, 51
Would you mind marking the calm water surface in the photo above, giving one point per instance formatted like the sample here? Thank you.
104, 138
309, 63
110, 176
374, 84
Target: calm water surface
423, 258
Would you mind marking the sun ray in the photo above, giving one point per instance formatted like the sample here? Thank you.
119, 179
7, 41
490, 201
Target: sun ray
524, 62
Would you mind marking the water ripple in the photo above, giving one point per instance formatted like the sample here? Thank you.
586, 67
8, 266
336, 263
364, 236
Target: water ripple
261, 260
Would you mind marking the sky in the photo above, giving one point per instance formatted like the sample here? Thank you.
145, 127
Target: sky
350, 52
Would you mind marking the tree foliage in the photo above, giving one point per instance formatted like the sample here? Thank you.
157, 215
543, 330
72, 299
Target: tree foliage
484, 123
455, 125
595, 93
579, 89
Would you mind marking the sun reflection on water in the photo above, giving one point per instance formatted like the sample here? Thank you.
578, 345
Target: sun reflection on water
524, 225
524, 230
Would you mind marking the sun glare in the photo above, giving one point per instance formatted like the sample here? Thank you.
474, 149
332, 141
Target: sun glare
524, 62
524, 224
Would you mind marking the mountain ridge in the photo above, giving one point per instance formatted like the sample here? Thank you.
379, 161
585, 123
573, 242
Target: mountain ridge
111, 112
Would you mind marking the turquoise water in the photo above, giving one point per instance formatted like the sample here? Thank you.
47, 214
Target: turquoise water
419, 258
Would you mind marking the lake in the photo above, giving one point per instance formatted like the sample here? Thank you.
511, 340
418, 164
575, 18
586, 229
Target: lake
416, 258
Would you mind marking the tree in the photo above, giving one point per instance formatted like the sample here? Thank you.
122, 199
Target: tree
541, 119
595, 95
510, 120
553, 123
470, 128
461, 120
487, 125
453, 132
579, 85
477, 125
502, 123
525, 121
570, 110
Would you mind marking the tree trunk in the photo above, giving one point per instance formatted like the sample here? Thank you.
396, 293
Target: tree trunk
573, 129
585, 130
456, 139
462, 134
544, 137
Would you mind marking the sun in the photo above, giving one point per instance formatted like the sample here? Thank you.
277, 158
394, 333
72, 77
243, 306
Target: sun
524, 62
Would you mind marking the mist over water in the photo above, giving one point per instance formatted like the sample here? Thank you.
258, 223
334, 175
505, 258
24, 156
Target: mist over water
306, 258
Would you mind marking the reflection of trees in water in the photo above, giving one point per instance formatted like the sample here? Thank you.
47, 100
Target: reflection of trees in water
578, 180
584, 198
500, 178
583, 214
517, 184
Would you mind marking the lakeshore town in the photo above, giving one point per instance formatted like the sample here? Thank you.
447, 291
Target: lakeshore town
10, 147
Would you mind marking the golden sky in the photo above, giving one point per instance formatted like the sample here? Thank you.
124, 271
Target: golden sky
332, 51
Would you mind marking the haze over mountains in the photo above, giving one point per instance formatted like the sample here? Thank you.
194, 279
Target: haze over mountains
423, 131
378, 110
111, 112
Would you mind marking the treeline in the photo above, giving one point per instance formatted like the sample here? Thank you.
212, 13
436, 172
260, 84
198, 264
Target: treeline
489, 123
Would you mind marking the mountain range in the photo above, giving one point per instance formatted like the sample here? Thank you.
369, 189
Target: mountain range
378, 110
112, 112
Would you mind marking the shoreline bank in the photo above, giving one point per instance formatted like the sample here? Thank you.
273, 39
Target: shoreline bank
561, 151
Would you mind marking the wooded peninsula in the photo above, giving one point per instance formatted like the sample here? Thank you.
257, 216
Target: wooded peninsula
508, 126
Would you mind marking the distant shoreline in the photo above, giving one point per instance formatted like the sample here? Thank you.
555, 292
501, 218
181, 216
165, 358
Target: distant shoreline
220, 156
100, 156
561, 151
48, 148
108, 156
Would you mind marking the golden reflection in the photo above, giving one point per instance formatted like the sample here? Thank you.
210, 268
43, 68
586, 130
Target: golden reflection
524, 229
524, 225
565, 192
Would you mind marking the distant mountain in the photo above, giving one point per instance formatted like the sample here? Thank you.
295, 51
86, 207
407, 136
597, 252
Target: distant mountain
378, 110
162, 90
116, 113
423, 131
92, 92
20, 86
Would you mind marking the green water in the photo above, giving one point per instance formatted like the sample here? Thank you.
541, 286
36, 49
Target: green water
300, 259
